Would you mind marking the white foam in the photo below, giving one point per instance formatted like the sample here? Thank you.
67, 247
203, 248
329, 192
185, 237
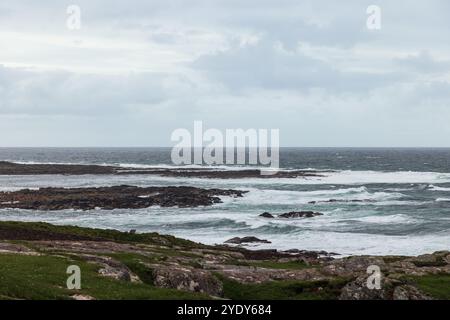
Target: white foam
437, 188
336, 178
390, 219
358, 244
12, 189
264, 196
398, 177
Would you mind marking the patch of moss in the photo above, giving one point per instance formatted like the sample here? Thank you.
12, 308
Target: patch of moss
283, 290
135, 262
290, 265
391, 259
435, 285
271, 264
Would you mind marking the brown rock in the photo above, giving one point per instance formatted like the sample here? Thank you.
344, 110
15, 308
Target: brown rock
407, 292
187, 279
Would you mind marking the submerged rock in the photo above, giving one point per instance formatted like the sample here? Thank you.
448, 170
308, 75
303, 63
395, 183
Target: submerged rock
266, 215
300, 214
292, 214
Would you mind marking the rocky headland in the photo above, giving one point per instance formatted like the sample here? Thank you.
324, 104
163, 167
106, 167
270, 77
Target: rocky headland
131, 265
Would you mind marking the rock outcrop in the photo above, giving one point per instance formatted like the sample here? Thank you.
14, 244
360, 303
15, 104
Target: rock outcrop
244, 240
117, 197
152, 261
292, 214
266, 215
188, 279
300, 214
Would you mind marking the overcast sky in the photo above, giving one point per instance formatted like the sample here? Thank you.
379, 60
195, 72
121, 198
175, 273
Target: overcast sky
137, 70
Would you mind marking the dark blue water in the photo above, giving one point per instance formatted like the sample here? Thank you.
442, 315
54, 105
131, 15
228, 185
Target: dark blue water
377, 159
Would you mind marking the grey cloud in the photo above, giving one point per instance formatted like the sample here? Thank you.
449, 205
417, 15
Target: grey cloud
53, 93
424, 62
265, 66
217, 79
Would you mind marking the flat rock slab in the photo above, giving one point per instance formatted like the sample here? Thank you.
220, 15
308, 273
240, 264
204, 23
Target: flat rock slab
108, 198
238, 240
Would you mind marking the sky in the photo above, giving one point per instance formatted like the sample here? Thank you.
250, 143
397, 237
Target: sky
135, 71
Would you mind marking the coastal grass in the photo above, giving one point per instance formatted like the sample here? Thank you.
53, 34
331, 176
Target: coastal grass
434, 285
288, 265
270, 264
283, 290
42, 229
44, 277
135, 262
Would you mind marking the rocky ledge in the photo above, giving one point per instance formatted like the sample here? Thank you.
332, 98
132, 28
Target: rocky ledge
9, 168
124, 265
108, 198
243, 240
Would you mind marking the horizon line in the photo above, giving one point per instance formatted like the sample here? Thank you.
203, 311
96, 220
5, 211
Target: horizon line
168, 147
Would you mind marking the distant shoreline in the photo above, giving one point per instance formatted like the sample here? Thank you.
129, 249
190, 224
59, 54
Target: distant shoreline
11, 168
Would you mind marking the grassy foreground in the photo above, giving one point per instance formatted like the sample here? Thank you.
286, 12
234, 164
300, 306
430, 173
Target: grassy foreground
34, 258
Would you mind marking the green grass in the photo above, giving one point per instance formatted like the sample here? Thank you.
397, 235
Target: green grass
268, 264
436, 286
282, 290
290, 265
44, 277
135, 262
111, 235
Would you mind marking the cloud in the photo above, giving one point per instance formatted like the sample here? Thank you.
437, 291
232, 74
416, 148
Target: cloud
139, 69
424, 62
27, 92
271, 66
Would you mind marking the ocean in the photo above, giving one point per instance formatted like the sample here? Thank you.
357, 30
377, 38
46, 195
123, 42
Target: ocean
384, 201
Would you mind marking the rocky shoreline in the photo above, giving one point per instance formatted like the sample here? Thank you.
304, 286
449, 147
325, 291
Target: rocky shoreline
9, 168
117, 197
152, 266
132, 265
